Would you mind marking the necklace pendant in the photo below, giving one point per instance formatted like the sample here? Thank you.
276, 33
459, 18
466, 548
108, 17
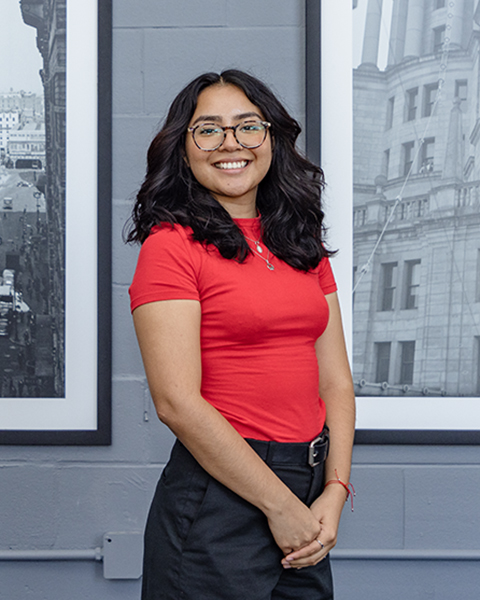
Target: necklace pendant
270, 266
258, 247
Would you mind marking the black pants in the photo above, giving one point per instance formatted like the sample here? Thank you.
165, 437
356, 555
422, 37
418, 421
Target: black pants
204, 542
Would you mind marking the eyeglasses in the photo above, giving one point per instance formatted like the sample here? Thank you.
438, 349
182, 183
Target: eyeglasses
249, 134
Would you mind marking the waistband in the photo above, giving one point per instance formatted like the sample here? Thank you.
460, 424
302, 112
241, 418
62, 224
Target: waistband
295, 453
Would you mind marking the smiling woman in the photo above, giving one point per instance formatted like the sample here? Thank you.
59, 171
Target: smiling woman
231, 171
238, 323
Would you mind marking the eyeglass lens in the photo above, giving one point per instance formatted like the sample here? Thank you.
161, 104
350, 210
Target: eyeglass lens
250, 134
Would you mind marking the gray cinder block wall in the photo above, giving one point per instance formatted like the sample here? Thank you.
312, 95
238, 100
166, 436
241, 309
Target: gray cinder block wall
420, 498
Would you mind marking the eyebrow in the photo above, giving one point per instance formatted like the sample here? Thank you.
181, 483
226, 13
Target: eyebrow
217, 118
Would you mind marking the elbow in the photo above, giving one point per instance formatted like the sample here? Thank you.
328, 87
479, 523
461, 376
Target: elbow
339, 387
173, 409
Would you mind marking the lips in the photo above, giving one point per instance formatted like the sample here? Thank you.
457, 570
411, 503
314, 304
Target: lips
237, 164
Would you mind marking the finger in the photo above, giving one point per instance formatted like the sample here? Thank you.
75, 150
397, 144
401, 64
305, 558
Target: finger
305, 562
310, 550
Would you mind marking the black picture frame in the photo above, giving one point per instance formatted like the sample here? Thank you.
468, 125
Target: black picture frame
315, 110
99, 433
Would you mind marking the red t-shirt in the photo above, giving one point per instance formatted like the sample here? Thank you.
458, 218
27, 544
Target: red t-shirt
258, 329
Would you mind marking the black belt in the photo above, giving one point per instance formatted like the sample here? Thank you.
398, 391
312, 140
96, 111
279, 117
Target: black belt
303, 453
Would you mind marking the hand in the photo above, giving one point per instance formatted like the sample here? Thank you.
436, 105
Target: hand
293, 525
327, 509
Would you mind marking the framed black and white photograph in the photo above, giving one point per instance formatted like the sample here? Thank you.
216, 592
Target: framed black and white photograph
55, 222
414, 253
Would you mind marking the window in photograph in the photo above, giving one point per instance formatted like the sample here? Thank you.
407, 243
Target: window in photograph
427, 156
382, 353
390, 108
429, 96
360, 217
407, 152
386, 162
438, 39
412, 284
421, 207
407, 356
411, 104
461, 89
387, 295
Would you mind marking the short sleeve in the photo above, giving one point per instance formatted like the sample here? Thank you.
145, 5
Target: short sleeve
165, 268
326, 278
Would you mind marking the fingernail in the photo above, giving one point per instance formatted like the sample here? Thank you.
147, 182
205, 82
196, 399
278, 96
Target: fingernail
287, 566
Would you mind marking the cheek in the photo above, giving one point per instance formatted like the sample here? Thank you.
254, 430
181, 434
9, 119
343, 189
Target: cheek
195, 161
266, 162
189, 154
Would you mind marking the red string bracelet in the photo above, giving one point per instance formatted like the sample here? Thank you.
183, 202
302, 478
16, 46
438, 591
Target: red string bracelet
347, 486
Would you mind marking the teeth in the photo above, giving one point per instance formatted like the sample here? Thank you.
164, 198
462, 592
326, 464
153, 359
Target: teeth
232, 165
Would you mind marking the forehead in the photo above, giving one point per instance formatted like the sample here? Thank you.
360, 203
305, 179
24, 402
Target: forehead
224, 102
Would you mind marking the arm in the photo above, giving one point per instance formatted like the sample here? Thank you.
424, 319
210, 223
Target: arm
168, 333
336, 390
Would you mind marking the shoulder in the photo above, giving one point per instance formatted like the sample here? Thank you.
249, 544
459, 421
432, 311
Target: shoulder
326, 277
168, 240
166, 234
167, 267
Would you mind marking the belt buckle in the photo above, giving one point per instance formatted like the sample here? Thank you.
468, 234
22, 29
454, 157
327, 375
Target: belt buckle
312, 453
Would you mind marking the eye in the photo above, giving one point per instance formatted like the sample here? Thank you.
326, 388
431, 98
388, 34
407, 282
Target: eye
207, 130
252, 127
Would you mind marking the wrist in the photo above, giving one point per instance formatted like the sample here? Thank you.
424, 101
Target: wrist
279, 503
347, 488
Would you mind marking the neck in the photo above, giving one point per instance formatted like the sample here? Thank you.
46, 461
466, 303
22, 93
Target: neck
239, 210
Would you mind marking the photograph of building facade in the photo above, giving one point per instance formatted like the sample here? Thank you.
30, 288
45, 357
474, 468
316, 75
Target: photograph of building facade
417, 202
32, 206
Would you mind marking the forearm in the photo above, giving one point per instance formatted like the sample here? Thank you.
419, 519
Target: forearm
336, 390
222, 452
227, 457
340, 406
327, 508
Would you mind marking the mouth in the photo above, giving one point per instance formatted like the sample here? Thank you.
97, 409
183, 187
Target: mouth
237, 164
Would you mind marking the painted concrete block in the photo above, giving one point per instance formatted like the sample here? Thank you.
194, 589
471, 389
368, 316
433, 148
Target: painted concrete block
127, 73
441, 507
131, 137
377, 520
164, 13
174, 57
266, 13
28, 506
126, 359
99, 498
124, 256
138, 434
62, 580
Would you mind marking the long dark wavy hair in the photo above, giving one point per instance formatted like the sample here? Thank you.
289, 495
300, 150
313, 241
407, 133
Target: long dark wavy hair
288, 198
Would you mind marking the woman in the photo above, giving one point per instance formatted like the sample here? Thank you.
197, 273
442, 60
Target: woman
238, 323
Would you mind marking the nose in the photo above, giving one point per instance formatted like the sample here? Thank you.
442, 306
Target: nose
230, 141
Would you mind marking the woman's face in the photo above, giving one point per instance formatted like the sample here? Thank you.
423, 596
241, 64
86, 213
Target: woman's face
231, 173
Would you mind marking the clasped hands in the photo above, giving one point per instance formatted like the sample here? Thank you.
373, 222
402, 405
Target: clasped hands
306, 535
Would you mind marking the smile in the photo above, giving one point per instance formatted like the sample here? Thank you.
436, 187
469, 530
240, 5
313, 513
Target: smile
239, 164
